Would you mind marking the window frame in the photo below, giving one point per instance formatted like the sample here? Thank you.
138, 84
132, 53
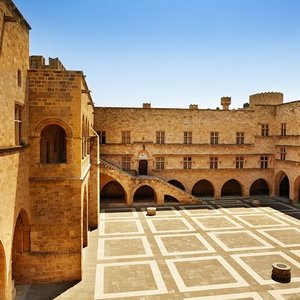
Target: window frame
213, 162
160, 163
126, 137
187, 162
214, 137
160, 137
187, 137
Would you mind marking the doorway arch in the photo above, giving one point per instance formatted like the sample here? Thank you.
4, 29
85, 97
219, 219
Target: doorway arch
21, 243
2, 271
231, 188
113, 191
177, 184
143, 167
284, 187
144, 193
259, 187
203, 188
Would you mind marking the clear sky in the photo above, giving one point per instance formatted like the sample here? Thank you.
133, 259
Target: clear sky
172, 52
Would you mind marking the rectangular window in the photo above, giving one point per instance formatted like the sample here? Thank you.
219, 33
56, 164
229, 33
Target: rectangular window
160, 137
282, 153
19, 76
239, 162
214, 137
187, 162
18, 124
240, 136
264, 162
283, 129
213, 162
125, 137
102, 137
160, 163
187, 137
126, 163
264, 129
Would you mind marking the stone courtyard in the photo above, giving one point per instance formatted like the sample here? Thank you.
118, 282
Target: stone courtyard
219, 250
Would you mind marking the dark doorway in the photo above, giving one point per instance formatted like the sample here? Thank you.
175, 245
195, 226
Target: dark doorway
177, 184
259, 187
143, 167
203, 188
231, 188
284, 188
144, 193
113, 192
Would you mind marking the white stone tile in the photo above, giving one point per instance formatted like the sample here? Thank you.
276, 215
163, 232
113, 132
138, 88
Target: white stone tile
114, 213
237, 282
143, 239
279, 294
278, 222
100, 274
251, 295
153, 229
239, 259
138, 225
165, 252
217, 237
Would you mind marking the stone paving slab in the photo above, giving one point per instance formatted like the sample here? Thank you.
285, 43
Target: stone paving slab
191, 253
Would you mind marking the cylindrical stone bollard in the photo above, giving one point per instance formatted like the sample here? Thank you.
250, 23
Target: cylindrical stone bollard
281, 273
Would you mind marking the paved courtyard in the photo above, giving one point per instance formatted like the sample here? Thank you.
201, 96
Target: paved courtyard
220, 250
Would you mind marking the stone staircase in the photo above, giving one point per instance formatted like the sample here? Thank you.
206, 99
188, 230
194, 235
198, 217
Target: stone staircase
157, 183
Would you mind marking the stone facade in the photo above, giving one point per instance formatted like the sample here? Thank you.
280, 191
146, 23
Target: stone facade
49, 163
208, 152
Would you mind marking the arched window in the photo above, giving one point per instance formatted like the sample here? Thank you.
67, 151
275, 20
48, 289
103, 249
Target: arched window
53, 145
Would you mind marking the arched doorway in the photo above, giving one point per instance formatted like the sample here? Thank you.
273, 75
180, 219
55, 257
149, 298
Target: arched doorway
143, 167
85, 218
53, 145
2, 272
203, 188
284, 187
144, 193
231, 188
170, 199
21, 243
113, 192
177, 184
296, 191
259, 187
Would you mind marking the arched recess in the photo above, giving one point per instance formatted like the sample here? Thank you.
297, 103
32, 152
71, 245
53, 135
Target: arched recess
203, 188
177, 184
113, 191
144, 193
284, 187
21, 243
53, 145
296, 190
259, 187
85, 218
83, 138
168, 198
2, 271
231, 188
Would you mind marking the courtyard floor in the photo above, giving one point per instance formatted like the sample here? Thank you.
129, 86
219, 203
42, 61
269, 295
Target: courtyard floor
219, 250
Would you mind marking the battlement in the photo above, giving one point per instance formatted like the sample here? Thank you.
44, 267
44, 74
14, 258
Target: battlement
193, 106
146, 105
225, 102
268, 98
38, 62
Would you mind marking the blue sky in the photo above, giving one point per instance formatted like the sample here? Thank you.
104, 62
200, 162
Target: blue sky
172, 52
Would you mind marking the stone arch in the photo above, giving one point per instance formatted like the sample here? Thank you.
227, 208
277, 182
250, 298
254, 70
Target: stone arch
21, 243
144, 193
282, 184
53, 144
296, 190
2, 272
260, 187
168, 198
53, 121
85, 217
177, 184
231, 188
113, 191
203, 188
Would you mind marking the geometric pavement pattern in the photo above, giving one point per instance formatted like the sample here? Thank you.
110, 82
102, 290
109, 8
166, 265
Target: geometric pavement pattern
218, 250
